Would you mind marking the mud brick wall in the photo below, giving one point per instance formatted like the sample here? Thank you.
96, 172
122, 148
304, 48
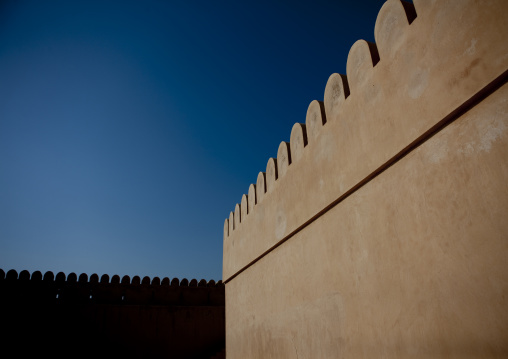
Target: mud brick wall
381, 229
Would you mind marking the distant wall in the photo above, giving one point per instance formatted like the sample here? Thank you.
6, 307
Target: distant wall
71, 316
380, 230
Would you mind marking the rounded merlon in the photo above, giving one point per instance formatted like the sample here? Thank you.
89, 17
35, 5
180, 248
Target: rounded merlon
231, 222
298, 141
336, 92
283, 158
24, 275
244, 206
48, 276
271, 173
315, 119
362, 57
238, 215
391, 26
36, 276
226, 228
260, 186
252, 198
11, 275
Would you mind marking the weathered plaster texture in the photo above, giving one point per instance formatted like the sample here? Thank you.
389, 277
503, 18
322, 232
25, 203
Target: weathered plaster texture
413, 264
385, 234
380, 119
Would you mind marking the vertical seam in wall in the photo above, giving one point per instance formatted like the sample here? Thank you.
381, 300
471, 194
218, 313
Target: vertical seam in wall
451, 117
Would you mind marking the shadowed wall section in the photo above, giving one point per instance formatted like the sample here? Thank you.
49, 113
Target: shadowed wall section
71, 316
380, 230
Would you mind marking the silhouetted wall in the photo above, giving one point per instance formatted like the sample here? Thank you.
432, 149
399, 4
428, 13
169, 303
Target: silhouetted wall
119, 318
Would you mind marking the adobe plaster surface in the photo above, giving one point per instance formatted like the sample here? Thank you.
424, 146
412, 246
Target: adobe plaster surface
413, 264
443, 58
383, 231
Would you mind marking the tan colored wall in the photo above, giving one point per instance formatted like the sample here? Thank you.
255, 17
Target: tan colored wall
413, 264
387, 235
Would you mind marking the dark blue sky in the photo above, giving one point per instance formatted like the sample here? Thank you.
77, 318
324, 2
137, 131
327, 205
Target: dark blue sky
130, 129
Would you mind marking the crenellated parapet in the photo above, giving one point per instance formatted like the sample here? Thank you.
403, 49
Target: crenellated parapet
71, 288
83, 316
424, 66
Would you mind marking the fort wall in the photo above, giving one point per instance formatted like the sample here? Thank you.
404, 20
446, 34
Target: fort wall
81, 316
380, 229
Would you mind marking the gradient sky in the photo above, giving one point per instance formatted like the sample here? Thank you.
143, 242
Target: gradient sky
130, 129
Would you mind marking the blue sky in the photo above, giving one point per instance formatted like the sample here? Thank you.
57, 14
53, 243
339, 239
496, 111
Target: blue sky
130, 129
